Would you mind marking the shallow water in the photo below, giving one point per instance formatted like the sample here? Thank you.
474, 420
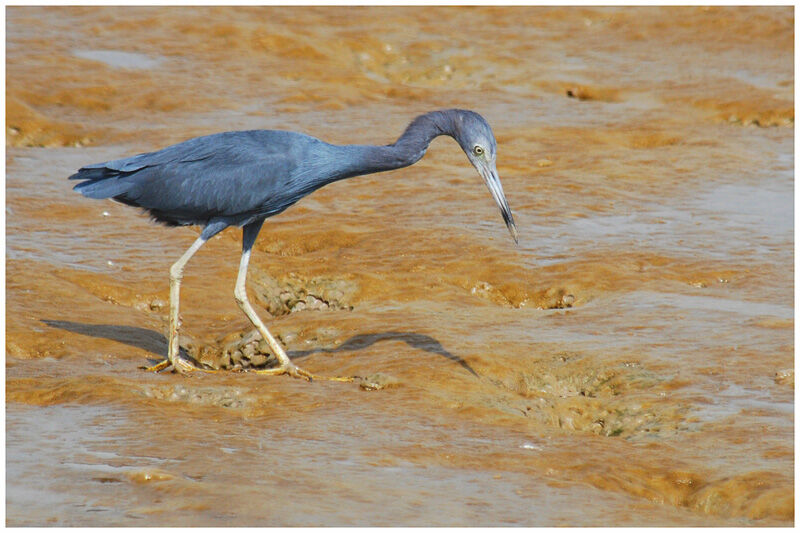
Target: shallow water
629, 363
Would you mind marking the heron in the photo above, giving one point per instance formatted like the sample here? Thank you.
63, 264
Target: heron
241, 178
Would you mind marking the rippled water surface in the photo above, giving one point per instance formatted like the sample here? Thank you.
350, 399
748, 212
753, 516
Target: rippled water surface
629, 363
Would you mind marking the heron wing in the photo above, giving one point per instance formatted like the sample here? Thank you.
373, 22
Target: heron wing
234, 175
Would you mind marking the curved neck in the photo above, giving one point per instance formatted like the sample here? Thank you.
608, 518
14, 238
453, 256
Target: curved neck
406, 150
413, 143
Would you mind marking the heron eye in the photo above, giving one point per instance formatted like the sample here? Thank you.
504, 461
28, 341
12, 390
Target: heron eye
478, 150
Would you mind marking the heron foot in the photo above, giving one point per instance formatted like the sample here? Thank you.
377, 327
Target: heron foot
184, 367
181, 365
157, 367
297, 372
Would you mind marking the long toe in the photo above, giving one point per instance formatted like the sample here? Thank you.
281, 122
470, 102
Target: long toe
181, 365
157, 367
292, 370
184, 366
297, 372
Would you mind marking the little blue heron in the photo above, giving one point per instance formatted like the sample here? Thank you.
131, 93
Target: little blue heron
240, 178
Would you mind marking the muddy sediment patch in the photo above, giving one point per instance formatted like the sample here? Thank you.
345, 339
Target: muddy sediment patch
296, 293
511, 295
581, 393
25, 126
214, 396
749, 107
754, 495
246, 350
237, 351
105, 390
763, 114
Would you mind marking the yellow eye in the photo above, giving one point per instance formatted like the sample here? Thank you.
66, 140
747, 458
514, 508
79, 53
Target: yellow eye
478, 150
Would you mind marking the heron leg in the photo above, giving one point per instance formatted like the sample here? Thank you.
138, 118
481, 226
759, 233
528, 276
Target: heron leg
175, 275
249, 234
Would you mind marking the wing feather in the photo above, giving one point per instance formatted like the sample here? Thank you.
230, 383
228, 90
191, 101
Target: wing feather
233, 175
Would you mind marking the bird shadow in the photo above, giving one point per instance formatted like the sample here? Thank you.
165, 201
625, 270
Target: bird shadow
415, 340
156, 343
143, 338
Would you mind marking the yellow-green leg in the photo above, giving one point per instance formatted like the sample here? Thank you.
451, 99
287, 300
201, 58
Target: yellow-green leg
173, 351
249, 234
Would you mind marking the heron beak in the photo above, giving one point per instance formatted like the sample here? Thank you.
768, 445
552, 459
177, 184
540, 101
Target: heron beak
493, 183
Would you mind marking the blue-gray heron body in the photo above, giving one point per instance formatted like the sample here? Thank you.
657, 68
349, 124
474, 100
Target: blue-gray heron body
241, 178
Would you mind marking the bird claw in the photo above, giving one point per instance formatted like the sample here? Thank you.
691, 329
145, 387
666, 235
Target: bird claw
157, 367
180, 365
297, 372
290, 369
183, 366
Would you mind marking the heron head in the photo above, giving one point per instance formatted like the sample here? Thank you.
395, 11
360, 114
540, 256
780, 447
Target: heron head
475, 137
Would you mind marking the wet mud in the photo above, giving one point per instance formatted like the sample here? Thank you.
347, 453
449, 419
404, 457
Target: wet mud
629, 363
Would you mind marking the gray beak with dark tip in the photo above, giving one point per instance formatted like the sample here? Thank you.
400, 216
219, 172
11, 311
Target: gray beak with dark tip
489, 174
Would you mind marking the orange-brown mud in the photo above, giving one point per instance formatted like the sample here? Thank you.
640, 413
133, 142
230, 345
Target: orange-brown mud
630, 363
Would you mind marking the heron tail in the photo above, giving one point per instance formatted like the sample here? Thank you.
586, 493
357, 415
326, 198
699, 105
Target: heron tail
101, 183
108, 180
